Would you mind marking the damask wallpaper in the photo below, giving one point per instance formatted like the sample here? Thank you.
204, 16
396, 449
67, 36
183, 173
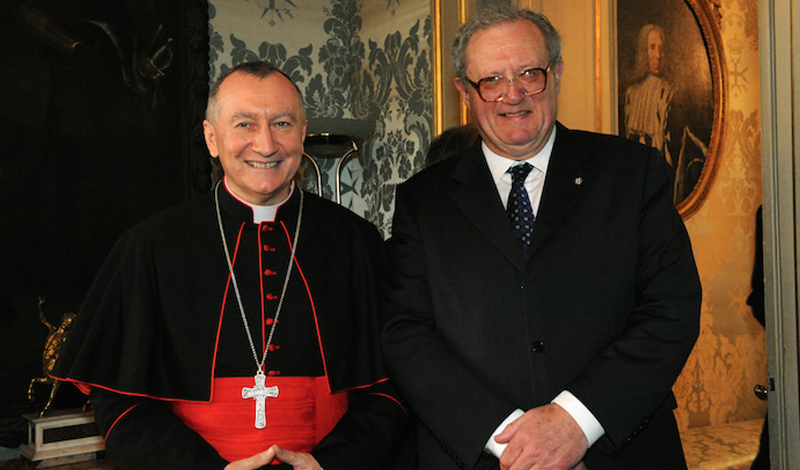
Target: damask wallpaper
365, 60
716, 386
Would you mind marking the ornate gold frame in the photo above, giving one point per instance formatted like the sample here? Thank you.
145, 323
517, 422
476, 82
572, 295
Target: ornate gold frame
448, 110
708, 17
706, 14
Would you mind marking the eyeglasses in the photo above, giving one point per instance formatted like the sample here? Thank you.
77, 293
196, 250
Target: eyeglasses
495, 88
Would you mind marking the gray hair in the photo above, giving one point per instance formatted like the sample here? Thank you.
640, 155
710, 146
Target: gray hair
489, 17
640, 66
258, 69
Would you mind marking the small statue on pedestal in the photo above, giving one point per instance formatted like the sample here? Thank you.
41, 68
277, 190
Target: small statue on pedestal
52, 347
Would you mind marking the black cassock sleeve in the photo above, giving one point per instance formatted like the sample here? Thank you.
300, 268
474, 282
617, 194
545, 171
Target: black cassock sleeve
368, 436
145, 434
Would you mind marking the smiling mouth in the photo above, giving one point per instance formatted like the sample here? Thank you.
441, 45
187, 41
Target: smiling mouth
517, 114
262, 165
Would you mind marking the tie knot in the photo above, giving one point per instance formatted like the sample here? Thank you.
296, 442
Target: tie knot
520, 172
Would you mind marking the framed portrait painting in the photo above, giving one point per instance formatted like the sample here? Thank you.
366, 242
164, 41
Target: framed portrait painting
672, 88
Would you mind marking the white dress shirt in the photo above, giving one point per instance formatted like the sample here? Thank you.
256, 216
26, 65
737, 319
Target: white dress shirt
498, 166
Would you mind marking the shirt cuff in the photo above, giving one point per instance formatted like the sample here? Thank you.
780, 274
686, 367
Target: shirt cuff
591, 427
492, 446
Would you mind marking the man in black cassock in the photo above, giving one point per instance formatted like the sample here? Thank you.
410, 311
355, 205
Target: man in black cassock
240, 328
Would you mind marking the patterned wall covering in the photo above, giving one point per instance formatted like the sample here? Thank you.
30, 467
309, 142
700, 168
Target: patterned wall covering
716, 386
366, 60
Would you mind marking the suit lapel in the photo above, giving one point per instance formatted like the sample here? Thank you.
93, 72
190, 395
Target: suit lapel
569, 173
476, 196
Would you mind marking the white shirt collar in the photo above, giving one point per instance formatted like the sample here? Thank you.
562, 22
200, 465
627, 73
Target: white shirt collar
499, 165
262, 213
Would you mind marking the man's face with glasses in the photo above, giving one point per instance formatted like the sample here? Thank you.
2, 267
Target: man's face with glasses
511, 88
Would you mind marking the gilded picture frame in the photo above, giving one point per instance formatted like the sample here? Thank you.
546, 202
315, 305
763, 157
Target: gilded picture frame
448, 109
680, 108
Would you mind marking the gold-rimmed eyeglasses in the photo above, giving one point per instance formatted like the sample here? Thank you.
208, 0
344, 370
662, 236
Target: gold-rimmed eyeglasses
495, 88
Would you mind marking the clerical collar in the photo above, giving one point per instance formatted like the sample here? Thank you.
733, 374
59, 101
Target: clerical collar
261, 213
498, 164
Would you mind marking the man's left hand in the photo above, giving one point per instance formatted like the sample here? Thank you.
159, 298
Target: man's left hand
543, 438
298, 460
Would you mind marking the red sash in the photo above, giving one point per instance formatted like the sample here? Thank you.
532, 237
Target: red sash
297, 419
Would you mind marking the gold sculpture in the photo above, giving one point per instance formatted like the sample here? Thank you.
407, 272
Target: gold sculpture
52, 347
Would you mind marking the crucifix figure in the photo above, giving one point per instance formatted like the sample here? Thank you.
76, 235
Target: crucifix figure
260, 393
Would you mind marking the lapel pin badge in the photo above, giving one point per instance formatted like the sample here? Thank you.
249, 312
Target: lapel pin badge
578, 180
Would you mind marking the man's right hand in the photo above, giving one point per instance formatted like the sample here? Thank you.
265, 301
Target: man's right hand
262, 459
544, 438
298, 460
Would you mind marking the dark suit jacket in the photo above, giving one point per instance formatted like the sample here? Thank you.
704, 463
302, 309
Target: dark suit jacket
606, 305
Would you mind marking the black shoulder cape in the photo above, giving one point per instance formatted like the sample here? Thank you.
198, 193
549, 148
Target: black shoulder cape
149, 323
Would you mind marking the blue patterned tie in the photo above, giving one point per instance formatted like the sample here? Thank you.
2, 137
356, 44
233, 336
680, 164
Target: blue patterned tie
519, 206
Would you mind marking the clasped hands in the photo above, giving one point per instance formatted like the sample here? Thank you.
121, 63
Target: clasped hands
298, 460
544, 438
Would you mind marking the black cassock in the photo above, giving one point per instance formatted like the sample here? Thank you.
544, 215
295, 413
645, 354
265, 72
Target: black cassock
161, 323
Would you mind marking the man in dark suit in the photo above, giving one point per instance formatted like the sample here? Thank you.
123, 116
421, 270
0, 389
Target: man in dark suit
554, 347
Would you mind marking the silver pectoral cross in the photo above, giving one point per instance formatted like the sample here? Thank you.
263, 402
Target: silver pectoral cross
260, 393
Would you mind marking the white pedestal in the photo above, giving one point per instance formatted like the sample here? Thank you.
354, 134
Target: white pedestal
62, 437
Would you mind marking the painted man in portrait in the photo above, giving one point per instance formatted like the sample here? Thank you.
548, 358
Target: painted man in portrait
650, 113
648, 101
